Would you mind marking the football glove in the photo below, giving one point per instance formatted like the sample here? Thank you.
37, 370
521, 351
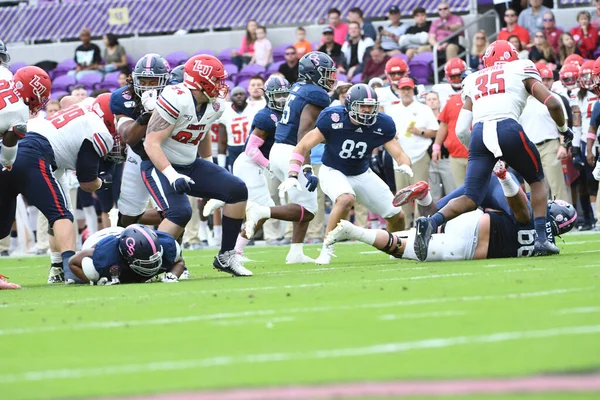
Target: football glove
106, 179
404, 169
169, 277
149, 98
596, 171
313, 181
182, 184
376, 163
288, 184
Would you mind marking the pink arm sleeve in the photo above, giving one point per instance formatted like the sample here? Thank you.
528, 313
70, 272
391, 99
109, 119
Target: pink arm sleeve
253, 151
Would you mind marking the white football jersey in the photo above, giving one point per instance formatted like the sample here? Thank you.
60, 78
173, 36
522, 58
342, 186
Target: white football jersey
66, 131
387, 97
13, 111
5, 74
444, 91
177, 106
214, 139
498, 92
237, 125
586, 105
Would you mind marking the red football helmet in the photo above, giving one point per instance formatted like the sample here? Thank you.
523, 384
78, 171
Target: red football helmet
569, 74
586, 77
396, 65
499, 52
101, 107
33, 85
206, 73
453, 70
596, 76
574, 58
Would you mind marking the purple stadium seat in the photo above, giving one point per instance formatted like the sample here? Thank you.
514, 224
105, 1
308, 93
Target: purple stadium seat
402, 56
56, 94
420, 71
357, 78
225, 55
131, 61
274, 68
63, 67
229, 83
423, 57
597, 53
231, 69
279, 52
63, 82
110, 80
316, 45
17, 65
244, 84
176, 58
90, 80
342, 78
204, 51
249, 71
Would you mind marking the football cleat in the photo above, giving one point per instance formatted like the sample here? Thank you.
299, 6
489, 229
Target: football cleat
56, 274
254, 213
345, 230
5, 285
500, 169
545, 249
416, 191
325, 256
422, 237
185, 274
298, 258
231, 263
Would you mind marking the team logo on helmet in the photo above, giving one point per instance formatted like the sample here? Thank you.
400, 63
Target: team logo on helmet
314, 57
335, 117
202, 69
38, 87
506, 55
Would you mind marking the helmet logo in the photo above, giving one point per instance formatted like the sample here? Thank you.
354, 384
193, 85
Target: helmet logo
38, 87
203, 70
506, 55
314, 58
130, 243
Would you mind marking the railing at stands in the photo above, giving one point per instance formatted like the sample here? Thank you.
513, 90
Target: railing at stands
467, 52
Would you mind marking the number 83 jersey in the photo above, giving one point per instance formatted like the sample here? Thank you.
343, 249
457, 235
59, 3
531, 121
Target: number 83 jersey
498, 92
177, 106
348, 147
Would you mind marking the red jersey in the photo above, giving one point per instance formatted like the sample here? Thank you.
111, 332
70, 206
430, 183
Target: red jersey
449, 116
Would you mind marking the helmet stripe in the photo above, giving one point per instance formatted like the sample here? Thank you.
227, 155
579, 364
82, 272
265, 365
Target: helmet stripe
369, 95
148, 62
281, 81
573, 218
143, 232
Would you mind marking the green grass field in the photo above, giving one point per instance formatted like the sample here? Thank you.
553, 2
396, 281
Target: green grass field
362, 318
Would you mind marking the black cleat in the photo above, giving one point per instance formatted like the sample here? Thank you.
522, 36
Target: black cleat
422, 237
545, 249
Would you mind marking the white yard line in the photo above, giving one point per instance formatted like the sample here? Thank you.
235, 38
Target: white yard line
284, 311
435, 314
321, 354
579, 310
267, 321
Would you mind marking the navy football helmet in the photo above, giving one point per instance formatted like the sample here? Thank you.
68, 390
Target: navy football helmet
151, 65
139, 246
4, 56
176, 75
318, 68
277, 90
362, 104
562, 216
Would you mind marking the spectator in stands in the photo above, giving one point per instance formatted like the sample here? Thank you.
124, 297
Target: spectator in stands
338, 98
87, 56
263, 49
122, 81
390, 34
432, 99
567, 47
79, 92
289, 69
512, 28
340, 29
596, 17
416, 38
246, 51
541, 51
256, 89
302, 45
52, 107
523, 52
480, 44
354, 48
551, 31
367, 29
333, 49
375, 66
531, 18
115, 56
502, 5
443, 27
375, 83
585, 35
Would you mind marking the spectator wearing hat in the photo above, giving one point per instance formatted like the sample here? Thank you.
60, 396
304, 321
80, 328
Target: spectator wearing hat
512, 28
531, 18
367, 29
415, 40
340, 29
333, 49
374, 67
289, 69
391, 33
585, 35
375, 83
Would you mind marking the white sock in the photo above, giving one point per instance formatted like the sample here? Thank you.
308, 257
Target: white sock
218, 230
297, 248
55, 257
14, 242
366, 236
425, 201
240, 244
509, 187
203, 231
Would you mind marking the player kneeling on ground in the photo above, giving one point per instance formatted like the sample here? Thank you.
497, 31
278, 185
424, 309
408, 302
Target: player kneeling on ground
135, 254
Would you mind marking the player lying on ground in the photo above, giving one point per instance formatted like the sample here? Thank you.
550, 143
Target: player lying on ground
134, 254
504, 228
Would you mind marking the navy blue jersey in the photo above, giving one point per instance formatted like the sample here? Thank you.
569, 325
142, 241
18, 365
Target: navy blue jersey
122, 103
302, 93
107, 258
348, 146
595, 120
265, 120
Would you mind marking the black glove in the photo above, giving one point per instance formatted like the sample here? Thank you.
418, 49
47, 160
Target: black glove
567, 138
577, 159
376, 163
106, 179
143, 119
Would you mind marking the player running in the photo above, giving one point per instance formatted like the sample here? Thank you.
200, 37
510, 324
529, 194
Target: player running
494, 99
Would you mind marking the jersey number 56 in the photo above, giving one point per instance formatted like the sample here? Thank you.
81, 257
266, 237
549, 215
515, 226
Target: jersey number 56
489, 84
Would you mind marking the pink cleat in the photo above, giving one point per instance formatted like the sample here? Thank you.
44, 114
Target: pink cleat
500, 169
417, 191
7, 285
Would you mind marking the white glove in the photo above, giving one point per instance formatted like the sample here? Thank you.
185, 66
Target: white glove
404, 169
211, 206
8, 156
149, 98
105, 282
596, 171
288, 184
169, 277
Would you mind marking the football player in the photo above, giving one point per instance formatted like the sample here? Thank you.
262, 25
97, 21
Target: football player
133, 105
395, 69
453, 71
134, 254
592, 132
308, 97
172, 169
234, 126
504, 229
350, 133
5, 74
494, 98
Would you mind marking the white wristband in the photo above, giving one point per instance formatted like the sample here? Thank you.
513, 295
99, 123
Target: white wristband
563, 129
221, 160
170, 173
209, 159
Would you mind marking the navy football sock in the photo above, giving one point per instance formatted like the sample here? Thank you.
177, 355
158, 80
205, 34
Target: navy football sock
231, 230
437, 220
66, 255
540, 228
